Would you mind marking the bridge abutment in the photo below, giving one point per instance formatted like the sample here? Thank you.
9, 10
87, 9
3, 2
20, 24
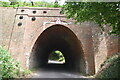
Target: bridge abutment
20, 29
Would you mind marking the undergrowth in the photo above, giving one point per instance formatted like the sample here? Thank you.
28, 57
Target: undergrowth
112, 70
9, 68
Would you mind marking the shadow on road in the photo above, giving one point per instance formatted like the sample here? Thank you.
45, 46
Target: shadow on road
56, 71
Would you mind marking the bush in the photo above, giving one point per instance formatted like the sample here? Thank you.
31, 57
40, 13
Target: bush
4, 4
111, 68
8, 67
22, 4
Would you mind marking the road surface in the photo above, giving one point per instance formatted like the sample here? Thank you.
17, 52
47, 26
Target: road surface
55, 71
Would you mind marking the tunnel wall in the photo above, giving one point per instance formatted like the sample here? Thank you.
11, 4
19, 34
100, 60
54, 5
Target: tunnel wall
104, 45
19, 40
59, 37
86, 40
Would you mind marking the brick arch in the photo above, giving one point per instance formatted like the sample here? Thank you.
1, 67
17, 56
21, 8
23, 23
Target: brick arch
42, 29
62, 38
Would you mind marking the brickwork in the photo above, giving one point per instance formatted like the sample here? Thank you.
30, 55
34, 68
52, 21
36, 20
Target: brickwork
21, 27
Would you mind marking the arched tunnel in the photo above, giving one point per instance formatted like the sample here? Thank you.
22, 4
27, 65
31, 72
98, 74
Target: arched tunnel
58, 37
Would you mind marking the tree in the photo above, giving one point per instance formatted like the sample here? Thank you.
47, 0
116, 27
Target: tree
4, 4
98, 12
30, 2
56, 4
14, 2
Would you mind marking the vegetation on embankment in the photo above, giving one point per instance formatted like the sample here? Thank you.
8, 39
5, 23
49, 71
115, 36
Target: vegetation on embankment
9, 68
28, 4
110, 68
102, 13
57, 56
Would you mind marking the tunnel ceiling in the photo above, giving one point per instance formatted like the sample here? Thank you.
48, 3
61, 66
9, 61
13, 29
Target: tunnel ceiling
57, 37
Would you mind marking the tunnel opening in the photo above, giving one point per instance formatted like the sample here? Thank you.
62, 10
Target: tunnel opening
61, 38
56, 57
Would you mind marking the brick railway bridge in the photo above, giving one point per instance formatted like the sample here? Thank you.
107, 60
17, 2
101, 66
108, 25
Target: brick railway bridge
31, 34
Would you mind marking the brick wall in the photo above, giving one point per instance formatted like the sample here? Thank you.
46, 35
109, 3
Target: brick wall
20, 28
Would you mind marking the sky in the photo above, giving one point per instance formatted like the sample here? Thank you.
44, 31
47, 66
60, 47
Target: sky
61, 1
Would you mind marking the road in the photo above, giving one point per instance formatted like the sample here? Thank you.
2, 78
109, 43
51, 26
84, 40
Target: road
46, 73
55, 71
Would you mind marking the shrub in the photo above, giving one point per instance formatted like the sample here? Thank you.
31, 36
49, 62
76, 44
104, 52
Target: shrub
4, 4
28, 4
8, 67
110, 68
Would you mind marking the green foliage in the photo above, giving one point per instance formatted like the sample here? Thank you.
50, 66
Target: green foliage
112, 70
57, 55
56, 5
43, 4
14, 0
4, 4
8, 67
7, 4
98, 12
25, 72
24, 4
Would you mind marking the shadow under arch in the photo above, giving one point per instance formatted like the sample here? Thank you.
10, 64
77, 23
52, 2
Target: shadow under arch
58, 37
